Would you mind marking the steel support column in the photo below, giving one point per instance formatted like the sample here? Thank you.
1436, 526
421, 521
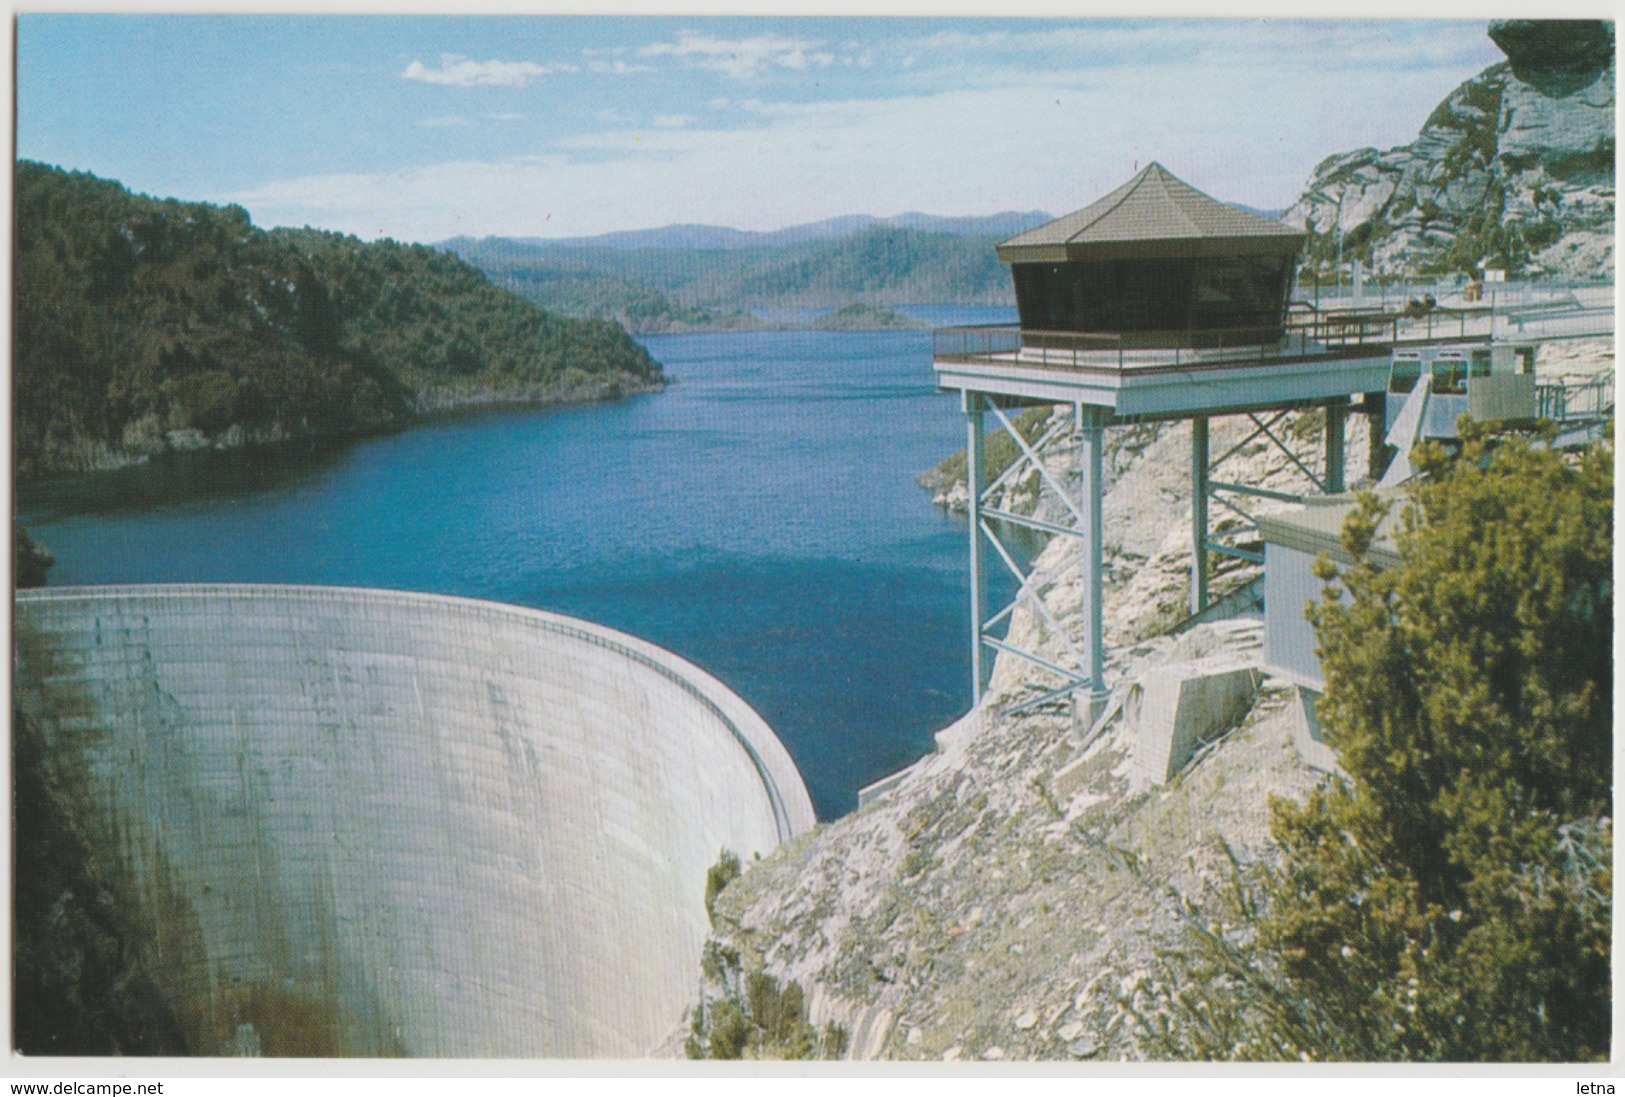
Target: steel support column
1091, 439
1199, 498
975, 474
1336, 420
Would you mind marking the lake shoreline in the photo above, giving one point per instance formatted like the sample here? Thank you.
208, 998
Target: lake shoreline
852, 317
725, 521
430, 406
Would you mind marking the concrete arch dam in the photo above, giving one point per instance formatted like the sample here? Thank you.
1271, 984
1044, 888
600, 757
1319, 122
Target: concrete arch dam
377, 823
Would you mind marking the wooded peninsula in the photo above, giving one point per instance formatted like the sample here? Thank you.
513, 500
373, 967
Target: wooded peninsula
148, 326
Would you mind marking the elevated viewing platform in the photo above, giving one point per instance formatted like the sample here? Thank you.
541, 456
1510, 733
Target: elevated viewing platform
1159, 302
1335, 353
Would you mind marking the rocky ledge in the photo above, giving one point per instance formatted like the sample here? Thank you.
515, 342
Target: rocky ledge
1007, 896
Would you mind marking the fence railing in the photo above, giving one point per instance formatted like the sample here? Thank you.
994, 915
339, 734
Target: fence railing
1550, 323
1566, 401
1395, 295
1305, 334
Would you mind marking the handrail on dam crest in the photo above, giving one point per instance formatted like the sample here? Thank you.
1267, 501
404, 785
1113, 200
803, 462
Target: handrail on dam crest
781, 814
600, 636
477, 829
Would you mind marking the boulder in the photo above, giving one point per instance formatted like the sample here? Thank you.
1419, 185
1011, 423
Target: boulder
1556, 55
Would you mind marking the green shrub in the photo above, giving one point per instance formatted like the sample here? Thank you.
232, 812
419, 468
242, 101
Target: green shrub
999, 450
770, 1024
1452, 900
717, 877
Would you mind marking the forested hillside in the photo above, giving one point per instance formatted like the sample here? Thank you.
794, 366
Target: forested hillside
883, 265
145, 326
572, 291
661, 288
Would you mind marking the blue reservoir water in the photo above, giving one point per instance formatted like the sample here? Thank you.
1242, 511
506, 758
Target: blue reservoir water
760, 518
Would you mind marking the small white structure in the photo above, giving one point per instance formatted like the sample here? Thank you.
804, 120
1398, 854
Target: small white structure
1183, 705
1433, 387
1293, 541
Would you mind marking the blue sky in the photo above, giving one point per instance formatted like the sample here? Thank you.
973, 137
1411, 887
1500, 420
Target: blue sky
421, 128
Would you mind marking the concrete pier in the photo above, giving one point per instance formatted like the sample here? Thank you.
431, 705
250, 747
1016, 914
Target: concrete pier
378, 823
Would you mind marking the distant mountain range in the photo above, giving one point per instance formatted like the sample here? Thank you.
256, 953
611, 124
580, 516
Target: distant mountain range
708, 277
720, 238
697, 277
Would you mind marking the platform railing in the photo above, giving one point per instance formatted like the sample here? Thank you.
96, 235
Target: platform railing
1304, 334
1394, 295
1550, 324
1563, 402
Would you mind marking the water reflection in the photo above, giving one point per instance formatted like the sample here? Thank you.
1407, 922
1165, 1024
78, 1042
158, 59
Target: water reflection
180, 480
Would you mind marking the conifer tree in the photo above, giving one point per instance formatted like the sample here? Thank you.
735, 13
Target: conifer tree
1450, 900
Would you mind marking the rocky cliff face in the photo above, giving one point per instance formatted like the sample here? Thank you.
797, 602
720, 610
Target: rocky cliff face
1008, 900
1012, 895
1515, 169
1009, 897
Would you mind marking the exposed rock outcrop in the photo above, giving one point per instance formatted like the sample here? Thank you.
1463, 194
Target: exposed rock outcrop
1009, 895
1515, 169
1008, 900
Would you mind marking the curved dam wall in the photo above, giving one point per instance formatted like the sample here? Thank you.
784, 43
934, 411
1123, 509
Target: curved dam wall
377, 823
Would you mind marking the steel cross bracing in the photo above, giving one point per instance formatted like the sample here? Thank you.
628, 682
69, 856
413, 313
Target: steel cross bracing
1205, 490
1081, 663
1079, 660
1324, 362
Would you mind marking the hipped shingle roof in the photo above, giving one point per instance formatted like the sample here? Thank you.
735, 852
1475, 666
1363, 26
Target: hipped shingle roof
1153, 215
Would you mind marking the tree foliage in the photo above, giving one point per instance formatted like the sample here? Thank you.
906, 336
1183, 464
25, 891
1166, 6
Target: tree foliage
769, 1021
30, 560
719, 876
136, 318
755, 1016
999, 451
1450, 900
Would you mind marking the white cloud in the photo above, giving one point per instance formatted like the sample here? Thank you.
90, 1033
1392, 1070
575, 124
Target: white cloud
1240, 127
614, 66
948, 153
448, 120
458, 71
753, 105
741, 58
506, 116
673, 121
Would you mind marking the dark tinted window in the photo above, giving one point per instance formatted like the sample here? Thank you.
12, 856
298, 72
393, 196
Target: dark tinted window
1135, 295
